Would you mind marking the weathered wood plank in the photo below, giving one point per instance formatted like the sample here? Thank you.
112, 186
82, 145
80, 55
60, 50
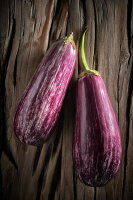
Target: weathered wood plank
29, 28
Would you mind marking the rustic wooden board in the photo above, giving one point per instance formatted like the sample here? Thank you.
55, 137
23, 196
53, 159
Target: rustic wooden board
27, 29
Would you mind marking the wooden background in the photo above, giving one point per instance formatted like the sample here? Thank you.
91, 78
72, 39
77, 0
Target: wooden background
27, 29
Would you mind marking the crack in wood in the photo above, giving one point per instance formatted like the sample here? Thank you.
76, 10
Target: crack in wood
42, 176
15, 68
36, 159
95, 193
56, 17
44, 38
129, 16
84, 13
56, 177
58, 134
118, 95
10, 156
95, 56
9, 48
1, 189
130, 91
74, 184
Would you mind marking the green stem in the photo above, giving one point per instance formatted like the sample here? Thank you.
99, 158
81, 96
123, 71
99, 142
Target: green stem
82, 60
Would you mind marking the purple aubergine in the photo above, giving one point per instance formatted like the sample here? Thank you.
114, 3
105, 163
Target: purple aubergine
40, 105
97, 144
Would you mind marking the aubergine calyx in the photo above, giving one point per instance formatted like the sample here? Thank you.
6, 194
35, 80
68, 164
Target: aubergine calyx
69, 39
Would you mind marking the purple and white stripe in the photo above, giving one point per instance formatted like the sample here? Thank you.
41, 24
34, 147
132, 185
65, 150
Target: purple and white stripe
97, 144
40, 105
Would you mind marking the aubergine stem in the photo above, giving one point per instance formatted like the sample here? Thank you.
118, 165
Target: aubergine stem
69, 39
82, 59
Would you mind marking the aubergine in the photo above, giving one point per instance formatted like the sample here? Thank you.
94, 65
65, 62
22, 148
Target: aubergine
38, 110
97, 146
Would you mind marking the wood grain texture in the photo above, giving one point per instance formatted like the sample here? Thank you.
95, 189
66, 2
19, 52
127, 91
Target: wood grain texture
27, 29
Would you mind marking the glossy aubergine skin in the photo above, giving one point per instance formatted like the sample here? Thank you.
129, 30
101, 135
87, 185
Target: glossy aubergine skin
40, 105
97, 144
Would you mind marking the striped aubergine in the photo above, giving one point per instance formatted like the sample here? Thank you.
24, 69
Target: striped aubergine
96, 144
38, 110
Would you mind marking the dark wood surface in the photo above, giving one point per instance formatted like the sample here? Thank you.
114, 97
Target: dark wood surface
27, 29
